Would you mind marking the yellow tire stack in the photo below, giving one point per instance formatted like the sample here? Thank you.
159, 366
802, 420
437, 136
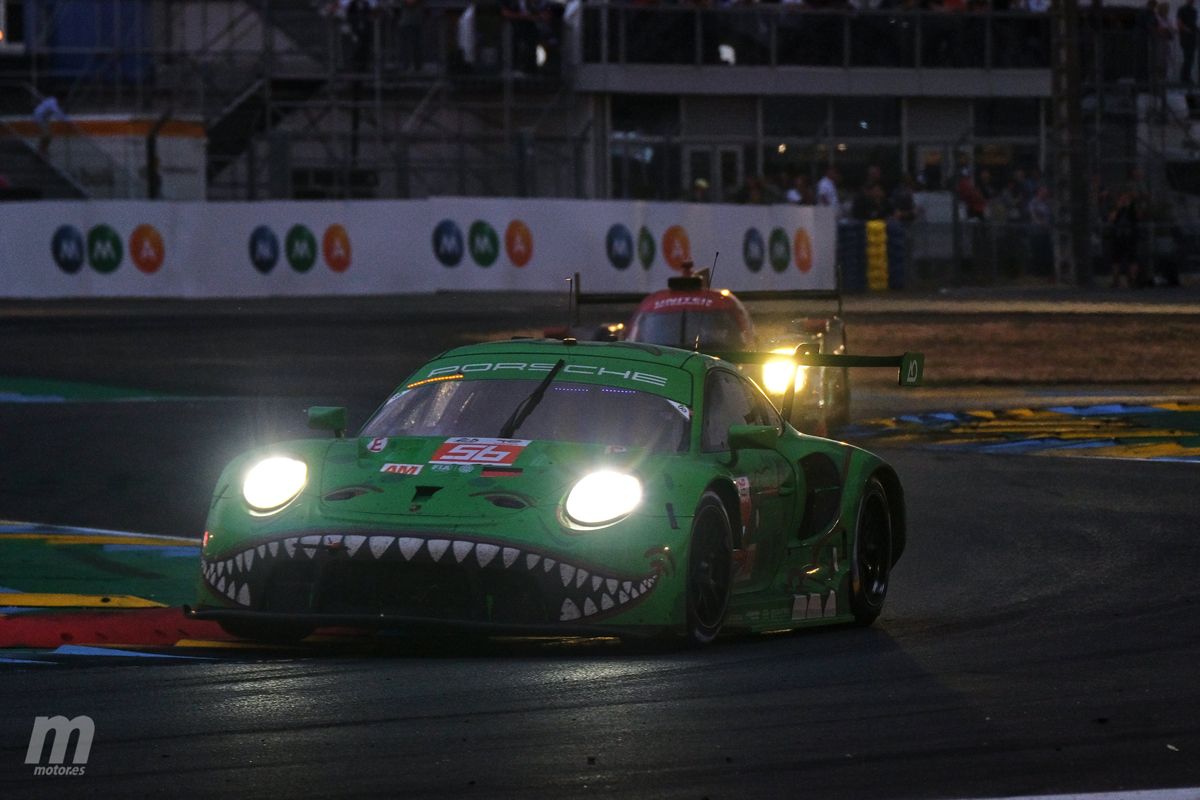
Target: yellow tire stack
877, 257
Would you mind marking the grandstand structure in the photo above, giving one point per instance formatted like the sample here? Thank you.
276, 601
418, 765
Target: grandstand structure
309, 99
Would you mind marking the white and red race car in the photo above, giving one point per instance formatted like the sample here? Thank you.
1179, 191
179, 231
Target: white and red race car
692, 315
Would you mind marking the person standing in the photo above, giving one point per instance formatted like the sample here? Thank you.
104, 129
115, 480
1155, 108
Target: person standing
801, 192
1041, 243
1123, 221
412, 14
827, 188
1164, 34
903, 200
1185, 24
45, 114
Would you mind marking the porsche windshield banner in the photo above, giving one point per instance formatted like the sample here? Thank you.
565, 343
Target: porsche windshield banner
654, 378
187, 249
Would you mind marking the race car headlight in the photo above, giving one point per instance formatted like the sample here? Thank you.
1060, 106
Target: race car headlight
603, 497
778, 375
274, 481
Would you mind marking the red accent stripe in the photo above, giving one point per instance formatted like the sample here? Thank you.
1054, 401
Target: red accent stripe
500, 473
143, 626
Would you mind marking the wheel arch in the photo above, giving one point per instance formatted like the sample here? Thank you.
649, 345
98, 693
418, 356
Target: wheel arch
725, 490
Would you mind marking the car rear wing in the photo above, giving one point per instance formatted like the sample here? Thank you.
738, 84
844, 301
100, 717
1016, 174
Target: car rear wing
578, 298
911, 366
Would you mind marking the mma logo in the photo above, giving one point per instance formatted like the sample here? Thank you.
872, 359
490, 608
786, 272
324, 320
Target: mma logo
61, 728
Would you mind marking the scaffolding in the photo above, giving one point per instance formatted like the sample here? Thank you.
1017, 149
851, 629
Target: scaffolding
314, 100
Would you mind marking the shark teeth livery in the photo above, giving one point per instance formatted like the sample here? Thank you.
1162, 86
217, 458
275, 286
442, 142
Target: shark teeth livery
572, 591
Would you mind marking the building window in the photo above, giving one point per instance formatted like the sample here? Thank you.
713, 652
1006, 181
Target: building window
1007, 116
866, 116
795, 117
646, 114
644, 169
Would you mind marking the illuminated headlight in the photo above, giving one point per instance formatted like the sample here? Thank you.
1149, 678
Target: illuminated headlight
603, 497
777, 375
272, 482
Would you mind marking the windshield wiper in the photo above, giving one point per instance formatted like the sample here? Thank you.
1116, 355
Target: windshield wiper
526, 406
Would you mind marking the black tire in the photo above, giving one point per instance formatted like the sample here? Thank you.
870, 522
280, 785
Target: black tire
277, 632
872, 565
710, 570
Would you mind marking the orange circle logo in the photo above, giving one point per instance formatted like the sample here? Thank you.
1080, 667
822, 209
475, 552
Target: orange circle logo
676, 248
518, 243
336, 247
146, 249
802, 250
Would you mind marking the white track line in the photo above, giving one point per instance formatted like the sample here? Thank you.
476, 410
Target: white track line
1150, 794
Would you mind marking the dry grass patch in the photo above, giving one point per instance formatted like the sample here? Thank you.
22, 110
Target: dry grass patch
1040, 348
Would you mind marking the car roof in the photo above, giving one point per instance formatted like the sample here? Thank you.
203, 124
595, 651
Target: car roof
625, 351
666, 371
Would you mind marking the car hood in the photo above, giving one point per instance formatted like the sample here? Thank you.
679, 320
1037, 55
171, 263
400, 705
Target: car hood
457, 478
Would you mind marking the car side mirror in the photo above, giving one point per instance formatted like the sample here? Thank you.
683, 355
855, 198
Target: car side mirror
752, 437
328, 418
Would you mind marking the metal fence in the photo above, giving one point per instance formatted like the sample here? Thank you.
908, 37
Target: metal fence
932, 255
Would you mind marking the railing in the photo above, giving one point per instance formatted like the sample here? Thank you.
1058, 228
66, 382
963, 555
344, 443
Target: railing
59, 145
789, 35
100, 55
931, 255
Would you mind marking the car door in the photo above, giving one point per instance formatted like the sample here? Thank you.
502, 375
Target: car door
763, 478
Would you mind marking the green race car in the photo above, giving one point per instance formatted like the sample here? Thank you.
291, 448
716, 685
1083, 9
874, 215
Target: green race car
551, 486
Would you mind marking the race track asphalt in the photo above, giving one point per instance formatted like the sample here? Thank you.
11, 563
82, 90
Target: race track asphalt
1040, 634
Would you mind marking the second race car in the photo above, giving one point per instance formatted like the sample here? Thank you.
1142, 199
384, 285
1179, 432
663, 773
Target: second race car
692, 315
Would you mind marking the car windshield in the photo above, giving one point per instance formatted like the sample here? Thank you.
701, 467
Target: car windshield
569, 412
717, 329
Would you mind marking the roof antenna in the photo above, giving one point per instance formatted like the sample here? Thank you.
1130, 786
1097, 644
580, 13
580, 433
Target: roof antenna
705, 275
572, 303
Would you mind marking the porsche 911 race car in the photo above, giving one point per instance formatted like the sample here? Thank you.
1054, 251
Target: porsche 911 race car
690, 314
559, 487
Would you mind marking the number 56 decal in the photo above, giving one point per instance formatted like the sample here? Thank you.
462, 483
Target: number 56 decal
469, 450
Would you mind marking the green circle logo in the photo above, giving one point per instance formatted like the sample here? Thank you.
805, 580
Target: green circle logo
483, 243
104, 249
301, 248
646, 247
779, 250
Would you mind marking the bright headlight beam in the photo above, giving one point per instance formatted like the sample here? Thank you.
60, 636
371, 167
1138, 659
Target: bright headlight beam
274, 481
603, 497
778, 375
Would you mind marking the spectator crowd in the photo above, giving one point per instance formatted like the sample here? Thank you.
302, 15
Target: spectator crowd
1010, 216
